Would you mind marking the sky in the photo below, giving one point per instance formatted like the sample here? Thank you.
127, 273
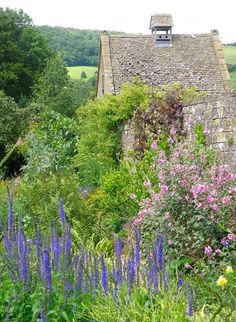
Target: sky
132, 16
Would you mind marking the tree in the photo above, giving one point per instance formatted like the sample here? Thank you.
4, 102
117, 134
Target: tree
58, 91
11, 120
83, 74
23, 54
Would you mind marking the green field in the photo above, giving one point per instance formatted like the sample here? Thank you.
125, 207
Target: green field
230, 57
75, 71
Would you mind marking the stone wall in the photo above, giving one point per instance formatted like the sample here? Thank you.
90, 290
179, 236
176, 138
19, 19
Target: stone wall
218, 116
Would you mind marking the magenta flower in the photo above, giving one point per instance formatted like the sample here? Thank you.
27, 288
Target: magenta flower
226, 200
231, 237
208, 251
211, 199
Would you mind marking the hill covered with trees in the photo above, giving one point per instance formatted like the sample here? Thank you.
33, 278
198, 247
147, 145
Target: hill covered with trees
78, 47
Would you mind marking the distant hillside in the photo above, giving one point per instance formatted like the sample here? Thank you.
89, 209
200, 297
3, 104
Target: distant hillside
79, 47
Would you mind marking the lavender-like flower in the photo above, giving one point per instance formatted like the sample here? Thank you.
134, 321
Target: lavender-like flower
95, 275
160, 259
137, 248
130, 274
68, 247
62, 213
104, 280
10, 217
7, 245
190, 310
119, 245
38, 244
46, 269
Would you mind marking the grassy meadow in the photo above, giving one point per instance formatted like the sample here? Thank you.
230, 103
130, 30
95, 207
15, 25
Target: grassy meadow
75, 71
230, 57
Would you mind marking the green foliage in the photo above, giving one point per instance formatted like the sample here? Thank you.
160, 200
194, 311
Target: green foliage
79, 47
23, 54
100, 127
50, 145
11, 120
57, 91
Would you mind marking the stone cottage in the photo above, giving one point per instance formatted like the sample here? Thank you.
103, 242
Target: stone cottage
163, 57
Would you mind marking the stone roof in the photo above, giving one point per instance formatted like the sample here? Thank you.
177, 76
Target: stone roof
191, 60
161, 20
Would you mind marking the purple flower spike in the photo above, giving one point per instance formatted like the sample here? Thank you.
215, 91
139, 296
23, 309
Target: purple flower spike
130, 274
160, 259
104, 275
137, 247
10, 216
190, 301
46, 269
62, 213
7, 245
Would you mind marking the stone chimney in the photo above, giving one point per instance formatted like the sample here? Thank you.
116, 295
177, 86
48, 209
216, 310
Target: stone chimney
161, 27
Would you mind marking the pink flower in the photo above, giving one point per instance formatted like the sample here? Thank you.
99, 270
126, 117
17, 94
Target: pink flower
231, 237
208, 250
218, 251
170, 225
199, 189
226, 200
215, 207
211, 198
170, 242
172, 131
133, 196
137, 221
206, 131
146, 183
164, 189
154, 145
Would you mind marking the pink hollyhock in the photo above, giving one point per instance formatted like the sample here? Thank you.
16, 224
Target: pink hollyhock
211, 198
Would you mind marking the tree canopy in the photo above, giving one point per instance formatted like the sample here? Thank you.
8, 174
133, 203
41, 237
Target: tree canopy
23, 54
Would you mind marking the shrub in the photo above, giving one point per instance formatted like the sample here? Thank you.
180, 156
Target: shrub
194, 201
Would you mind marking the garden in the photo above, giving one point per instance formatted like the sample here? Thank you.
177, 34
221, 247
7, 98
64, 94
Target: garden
87, 235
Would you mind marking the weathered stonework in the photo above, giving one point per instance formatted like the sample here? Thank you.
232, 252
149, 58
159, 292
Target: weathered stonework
196, 59
218, 116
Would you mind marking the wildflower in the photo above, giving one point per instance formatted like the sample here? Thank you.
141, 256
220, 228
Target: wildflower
215, 207
226, 200
133, 196
231, 237
159, 253
229, 270
180, 283
218, 251
46, 269
130, 275
62, 213
138, 221
211, 198
190, 301
104, 275
137, 247
146, 183
208, 251
154, 145
222, 281
224, 242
